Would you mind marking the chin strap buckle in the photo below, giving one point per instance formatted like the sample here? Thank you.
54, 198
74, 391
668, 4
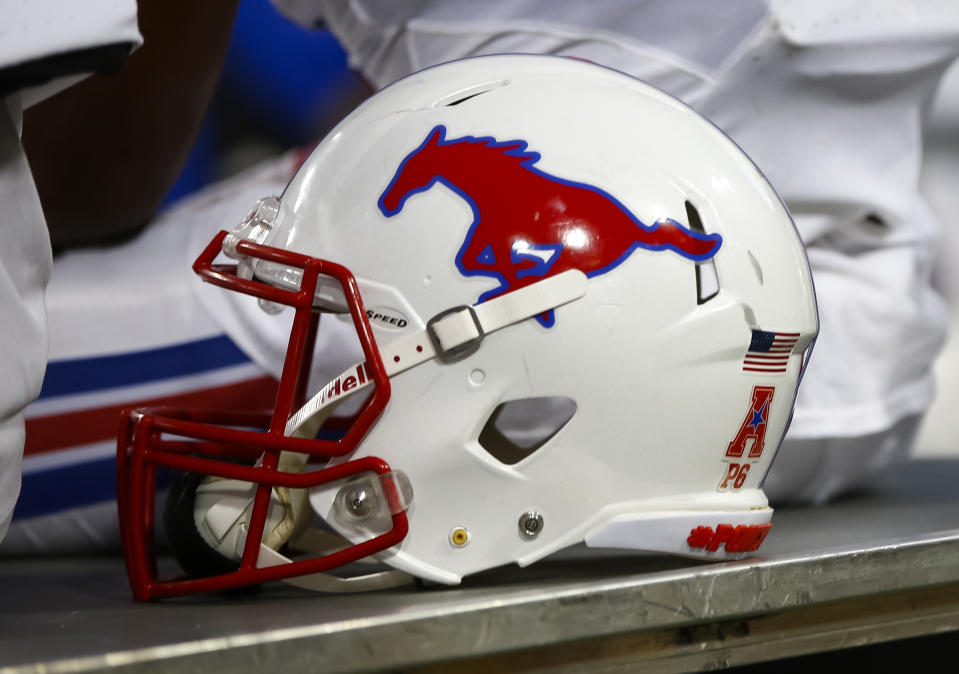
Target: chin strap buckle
455, 333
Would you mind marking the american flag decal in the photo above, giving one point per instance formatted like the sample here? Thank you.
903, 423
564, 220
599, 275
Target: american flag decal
769, 351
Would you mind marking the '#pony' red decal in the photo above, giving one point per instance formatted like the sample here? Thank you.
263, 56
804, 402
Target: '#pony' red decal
528, 224
741, 538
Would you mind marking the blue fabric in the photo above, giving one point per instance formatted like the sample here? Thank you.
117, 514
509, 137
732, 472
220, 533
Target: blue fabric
74, 486
84, 375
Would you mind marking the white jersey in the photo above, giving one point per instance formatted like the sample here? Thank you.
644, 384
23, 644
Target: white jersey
46, 45
24, 269
128, 329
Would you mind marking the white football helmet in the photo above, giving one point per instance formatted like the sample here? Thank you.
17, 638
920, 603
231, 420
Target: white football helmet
584, 315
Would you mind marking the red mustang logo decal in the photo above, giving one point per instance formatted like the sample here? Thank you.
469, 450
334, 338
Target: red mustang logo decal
528, 224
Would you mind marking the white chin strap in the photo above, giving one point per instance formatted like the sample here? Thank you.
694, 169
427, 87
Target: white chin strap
449, 336
224, 527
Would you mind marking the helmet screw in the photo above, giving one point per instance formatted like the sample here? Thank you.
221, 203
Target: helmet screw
530, 524
358, 501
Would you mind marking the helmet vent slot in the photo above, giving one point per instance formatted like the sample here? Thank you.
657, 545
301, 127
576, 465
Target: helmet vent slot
518, 428
465, 98
463, 95
707, 281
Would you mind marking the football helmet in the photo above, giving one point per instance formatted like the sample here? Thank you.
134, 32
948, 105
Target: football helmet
583, 316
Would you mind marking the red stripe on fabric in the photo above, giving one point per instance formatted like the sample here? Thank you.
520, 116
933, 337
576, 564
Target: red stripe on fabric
759, 369
69, 429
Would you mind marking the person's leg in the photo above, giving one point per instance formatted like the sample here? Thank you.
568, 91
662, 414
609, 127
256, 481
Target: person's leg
127, 329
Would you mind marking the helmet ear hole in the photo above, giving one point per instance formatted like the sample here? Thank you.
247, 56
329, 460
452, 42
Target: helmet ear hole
518, 428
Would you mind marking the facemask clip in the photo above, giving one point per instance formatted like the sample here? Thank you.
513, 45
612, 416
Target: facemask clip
255, 227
